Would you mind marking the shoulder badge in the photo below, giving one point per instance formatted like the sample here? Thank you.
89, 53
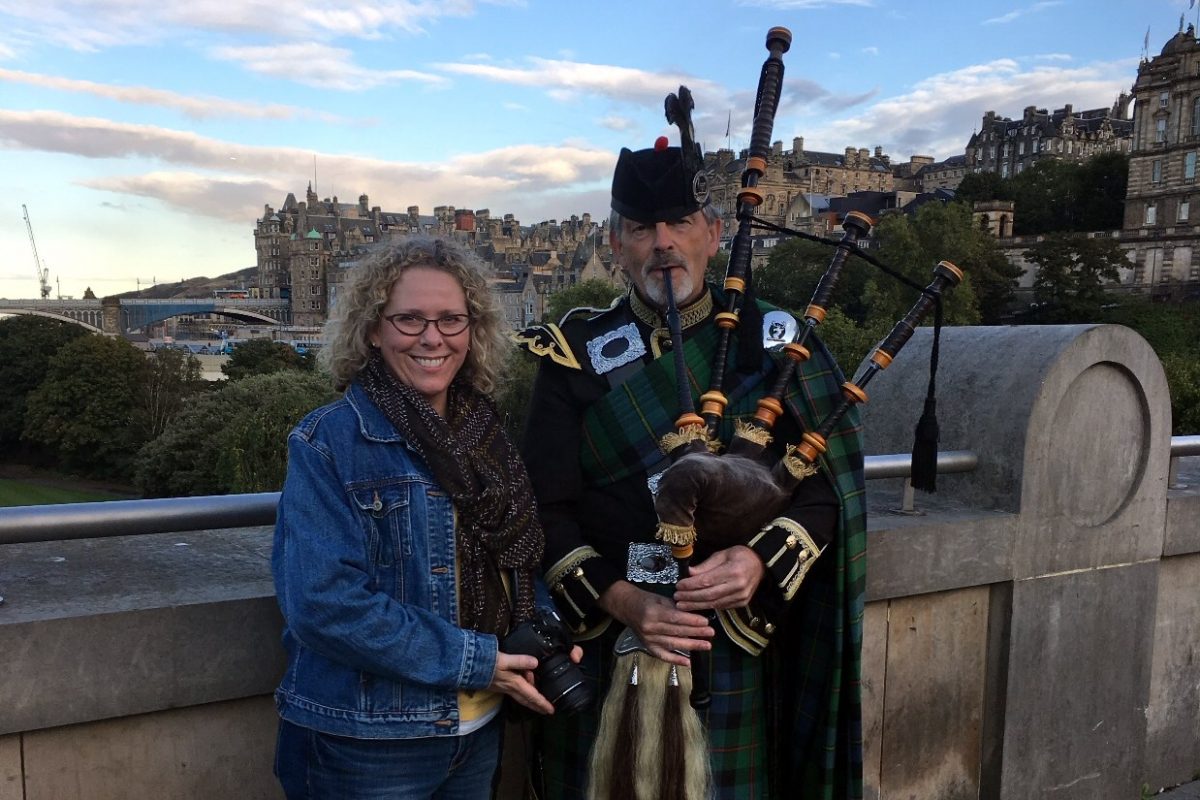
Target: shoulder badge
547, 340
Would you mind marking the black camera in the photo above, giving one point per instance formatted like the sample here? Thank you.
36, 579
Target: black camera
559, 679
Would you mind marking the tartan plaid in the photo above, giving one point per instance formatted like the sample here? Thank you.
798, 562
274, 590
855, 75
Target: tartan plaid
735, 723
815, 659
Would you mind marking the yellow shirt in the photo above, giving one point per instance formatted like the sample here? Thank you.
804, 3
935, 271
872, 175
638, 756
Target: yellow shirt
477, 707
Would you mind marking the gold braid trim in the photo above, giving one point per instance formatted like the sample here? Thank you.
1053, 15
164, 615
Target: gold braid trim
799, 468
690, 433
566, 566
806, 552
691, 315
760, 436
676, 535
740, 631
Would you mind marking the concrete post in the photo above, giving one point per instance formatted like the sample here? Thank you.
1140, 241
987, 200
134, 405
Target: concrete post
1072, 425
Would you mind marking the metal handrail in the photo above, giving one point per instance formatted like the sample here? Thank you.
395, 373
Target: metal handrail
51, 523
133, 517
66, 521
1185, 446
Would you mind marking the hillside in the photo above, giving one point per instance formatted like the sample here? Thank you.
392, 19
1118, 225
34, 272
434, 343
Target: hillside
196, 287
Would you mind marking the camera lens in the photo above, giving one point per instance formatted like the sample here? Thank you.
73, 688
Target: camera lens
562, 683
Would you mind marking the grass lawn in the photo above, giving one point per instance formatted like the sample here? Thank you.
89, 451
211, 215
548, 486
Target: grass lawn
33, 493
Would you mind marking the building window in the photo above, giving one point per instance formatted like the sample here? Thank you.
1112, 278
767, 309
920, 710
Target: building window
1184, 208
1163, 99
1020, 148
1151, 213
1156, 171
1189, 166
1160, 130
1196, 117
313, 289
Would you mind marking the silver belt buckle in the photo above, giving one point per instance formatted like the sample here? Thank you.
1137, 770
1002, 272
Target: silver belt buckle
651, 562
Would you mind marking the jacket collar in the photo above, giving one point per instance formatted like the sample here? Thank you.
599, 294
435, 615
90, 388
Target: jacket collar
372, 423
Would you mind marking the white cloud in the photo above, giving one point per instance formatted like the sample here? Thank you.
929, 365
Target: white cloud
566, 80
319, 65
871, 51
194, 107
615, 122
97, 24
938, 114
6, 52
231, 181
230, 199
1021, 12
802, 5
1054, 57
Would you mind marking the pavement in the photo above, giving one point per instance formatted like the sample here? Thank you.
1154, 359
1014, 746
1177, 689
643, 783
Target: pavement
1188, 791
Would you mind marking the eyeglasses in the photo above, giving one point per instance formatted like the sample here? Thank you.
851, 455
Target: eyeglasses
412, 325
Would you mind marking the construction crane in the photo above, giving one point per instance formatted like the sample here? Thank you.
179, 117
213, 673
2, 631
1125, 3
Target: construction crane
43, 273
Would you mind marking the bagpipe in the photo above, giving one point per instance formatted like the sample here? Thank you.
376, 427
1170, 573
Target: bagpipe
723, 496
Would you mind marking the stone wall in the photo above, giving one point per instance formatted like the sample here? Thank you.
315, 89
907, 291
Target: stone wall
1033, 632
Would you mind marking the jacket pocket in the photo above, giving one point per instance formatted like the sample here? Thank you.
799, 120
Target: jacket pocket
386, 509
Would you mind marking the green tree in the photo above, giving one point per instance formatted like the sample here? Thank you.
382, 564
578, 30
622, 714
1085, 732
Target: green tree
27, 345
1183, 376
264, 356
978, 187
89, 408
793, 270
718, 265
172, 376
1046, 197
913, 246
593, 293
254, 458
233, 439
1072, 271
1102, 183
516, 390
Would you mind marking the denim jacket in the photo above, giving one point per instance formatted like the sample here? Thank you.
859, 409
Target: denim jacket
364, 567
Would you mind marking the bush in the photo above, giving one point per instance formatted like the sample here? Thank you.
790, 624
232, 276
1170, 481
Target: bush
232, 440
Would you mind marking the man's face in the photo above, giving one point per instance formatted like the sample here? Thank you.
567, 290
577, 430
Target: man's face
649, 252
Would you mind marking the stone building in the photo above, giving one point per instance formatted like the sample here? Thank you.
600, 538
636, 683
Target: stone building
305, 250
1009, 146
1160, 225
795, 173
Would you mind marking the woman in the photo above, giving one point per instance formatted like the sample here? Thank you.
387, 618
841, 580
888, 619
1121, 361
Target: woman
406, 543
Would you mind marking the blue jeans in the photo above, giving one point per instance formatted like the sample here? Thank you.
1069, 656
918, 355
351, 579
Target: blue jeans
312, 765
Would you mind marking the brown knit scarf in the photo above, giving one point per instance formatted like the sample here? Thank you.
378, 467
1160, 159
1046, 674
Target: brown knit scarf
477, 465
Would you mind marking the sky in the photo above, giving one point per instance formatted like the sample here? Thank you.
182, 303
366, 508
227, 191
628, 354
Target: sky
145, 137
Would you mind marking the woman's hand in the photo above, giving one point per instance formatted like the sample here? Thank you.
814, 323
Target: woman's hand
514, 677
662, 627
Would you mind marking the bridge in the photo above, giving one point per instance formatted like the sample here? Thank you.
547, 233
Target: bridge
120, 316
1031, 631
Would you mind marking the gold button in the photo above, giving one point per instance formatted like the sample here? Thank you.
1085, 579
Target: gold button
769, 628
792, 541
560, 589
577, 574
754, 622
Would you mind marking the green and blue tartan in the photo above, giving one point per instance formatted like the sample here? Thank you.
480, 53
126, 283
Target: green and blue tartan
813, 665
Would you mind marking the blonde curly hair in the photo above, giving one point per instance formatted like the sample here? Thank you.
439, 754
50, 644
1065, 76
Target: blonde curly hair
358, 307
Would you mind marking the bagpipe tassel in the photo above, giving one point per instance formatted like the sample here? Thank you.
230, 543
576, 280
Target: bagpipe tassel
651, 743
924, 455
619, 733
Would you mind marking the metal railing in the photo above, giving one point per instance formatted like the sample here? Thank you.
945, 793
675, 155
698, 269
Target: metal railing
177, 514
131, 517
